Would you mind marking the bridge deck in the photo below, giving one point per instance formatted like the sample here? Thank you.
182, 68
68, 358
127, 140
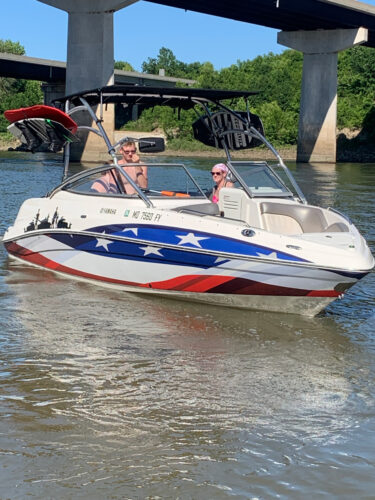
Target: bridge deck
45, 70
288, 15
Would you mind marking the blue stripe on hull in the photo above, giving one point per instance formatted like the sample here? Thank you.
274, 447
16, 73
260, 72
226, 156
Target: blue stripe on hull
208, 241
136, 251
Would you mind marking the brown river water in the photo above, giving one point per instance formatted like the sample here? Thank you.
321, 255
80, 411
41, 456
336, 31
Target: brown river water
113, 395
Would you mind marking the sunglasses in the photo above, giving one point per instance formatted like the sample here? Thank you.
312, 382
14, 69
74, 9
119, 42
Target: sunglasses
216, 173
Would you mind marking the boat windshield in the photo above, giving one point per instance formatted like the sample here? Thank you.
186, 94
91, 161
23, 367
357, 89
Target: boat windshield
171, 180
260, 179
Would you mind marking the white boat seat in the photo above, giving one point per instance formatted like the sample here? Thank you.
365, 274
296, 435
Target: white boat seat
337, 227
306, 219
200, 209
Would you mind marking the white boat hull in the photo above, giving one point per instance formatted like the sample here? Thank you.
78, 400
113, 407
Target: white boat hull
245, 282
305, 306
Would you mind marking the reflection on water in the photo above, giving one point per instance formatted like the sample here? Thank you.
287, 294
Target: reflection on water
113, 395
154, 397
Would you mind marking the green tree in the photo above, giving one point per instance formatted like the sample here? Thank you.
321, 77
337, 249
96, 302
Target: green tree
123, 66
281, 127
16, 93
167, 61
11, 47
356, 86
277, 77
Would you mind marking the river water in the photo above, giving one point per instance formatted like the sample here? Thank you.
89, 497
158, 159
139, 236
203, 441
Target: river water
110, 395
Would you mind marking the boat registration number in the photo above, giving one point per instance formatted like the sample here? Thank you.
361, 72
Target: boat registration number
138, 214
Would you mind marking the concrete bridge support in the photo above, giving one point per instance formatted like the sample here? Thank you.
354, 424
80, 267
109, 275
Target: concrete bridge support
90, 61
318, 113
53, 91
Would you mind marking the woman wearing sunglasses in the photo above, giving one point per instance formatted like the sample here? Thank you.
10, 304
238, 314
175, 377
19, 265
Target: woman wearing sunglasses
219, 174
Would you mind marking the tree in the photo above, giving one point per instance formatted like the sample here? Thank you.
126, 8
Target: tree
356, 87
167, 61
12, 47
16, 93
277, 77
123, 66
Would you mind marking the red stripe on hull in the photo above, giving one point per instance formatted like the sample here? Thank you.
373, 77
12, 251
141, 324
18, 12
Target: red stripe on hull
324, 293
40, 260
191, 283
199, 283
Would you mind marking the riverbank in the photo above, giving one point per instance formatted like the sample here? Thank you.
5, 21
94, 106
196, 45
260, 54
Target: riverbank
5, 144
350, 152
252, 154
353, 153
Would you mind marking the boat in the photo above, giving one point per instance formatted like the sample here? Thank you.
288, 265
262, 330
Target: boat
261, 247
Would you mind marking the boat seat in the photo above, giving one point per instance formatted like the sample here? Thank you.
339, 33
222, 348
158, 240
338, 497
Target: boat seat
297, 219
200, 209
337, 227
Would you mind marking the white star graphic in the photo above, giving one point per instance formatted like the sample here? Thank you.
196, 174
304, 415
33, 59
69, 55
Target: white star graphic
133, 229
190, 238
151, 250
272, 255
102, 242
220, 259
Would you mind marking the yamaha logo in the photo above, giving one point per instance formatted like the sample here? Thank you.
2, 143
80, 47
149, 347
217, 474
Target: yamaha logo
248, 232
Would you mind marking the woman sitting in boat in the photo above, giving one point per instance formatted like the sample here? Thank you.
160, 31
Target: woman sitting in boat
109, 182
130, 162
219, 174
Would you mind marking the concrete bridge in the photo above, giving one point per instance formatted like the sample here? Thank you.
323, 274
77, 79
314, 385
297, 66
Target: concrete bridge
53, 74
318, 28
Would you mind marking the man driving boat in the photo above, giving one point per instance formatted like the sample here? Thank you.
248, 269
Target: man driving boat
130, 163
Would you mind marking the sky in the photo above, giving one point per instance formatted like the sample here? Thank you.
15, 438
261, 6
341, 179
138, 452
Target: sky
140, 30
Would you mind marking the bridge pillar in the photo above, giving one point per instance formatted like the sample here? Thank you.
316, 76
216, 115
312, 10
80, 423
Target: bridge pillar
52, 91
90, 62
318, 113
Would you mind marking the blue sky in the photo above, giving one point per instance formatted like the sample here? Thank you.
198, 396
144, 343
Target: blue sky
140, 31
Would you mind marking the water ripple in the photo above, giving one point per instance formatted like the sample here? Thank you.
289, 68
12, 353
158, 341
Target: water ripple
110, 395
